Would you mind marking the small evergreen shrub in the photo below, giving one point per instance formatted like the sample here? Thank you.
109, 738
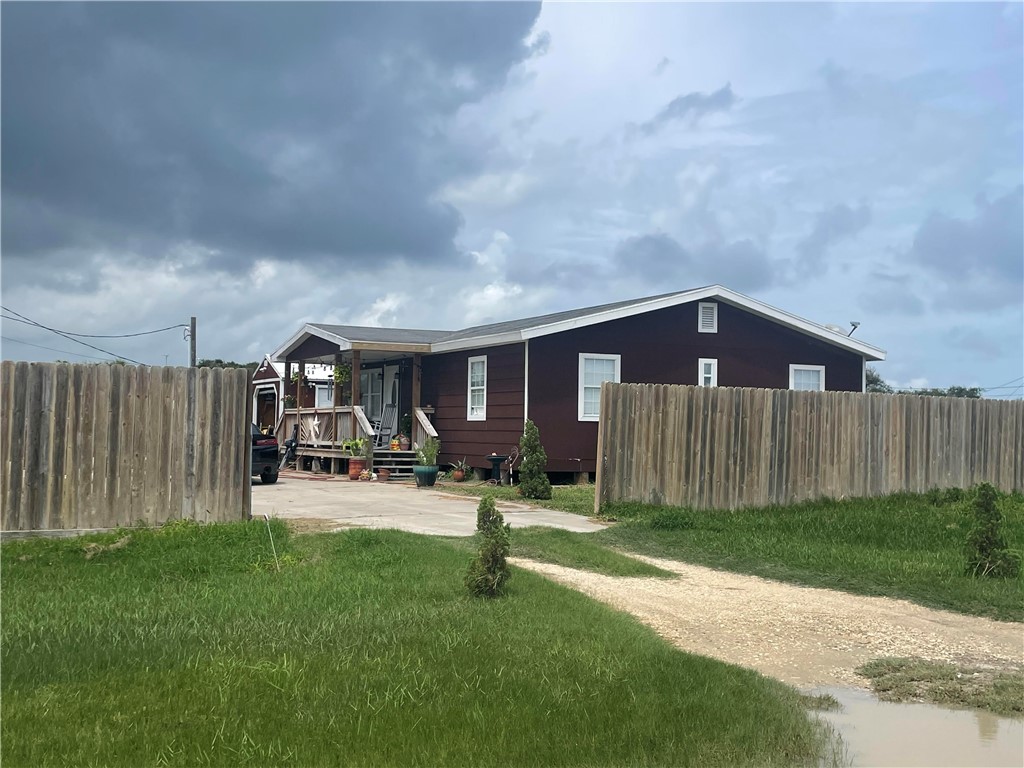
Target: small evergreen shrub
533, 480
488, 571
987, 553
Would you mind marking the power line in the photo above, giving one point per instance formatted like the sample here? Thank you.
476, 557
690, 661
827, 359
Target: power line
92, 335
69, 338
51, 349
1005, 385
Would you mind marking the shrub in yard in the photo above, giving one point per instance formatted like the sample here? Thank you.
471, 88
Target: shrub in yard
987, 553
533, 480
488, 571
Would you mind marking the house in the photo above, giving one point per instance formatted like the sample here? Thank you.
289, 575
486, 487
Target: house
270, 390
475, 387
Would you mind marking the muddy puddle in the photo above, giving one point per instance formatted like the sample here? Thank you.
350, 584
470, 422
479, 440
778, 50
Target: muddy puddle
877, 733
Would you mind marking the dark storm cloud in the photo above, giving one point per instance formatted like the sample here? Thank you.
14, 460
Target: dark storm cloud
742, 264
692, 107
830, 226
980, 259
304, 131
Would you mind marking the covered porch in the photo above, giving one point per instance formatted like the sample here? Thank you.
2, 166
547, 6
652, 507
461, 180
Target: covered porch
361, 379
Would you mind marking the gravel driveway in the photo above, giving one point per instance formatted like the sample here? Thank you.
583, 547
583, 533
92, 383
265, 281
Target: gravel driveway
325, 503
804, 636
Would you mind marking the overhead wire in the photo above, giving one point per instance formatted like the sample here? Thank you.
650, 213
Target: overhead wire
26, 321
30, 321
51, 349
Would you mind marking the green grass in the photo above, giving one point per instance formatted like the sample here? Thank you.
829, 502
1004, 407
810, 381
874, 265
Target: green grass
908, 546
999, 691
904, 545
188, 647
578, 499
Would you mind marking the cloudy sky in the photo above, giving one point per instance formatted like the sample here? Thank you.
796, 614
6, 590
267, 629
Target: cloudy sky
434, 165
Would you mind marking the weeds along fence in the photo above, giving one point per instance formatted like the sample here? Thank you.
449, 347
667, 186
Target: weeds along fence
724, 448
99, 446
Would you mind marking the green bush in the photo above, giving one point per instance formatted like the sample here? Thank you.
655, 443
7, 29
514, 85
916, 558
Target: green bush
533, 479
488, 571
987, 553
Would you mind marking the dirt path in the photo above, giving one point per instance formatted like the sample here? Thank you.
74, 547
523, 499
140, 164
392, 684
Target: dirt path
803, 636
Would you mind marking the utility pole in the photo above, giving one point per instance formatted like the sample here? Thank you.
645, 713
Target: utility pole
192, 342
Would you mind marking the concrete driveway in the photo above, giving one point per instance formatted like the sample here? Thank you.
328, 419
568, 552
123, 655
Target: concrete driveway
341, 503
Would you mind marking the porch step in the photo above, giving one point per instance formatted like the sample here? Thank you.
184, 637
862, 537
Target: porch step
399, 462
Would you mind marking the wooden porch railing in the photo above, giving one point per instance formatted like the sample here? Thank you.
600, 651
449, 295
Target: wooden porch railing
328, 426
364, 423
421, 426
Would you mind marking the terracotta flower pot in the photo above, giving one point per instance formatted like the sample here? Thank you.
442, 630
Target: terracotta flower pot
355, 466
458, 475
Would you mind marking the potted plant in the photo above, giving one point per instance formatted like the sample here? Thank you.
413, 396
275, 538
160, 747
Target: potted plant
357, 448
459, 470
289, 401
426, 472
405, 430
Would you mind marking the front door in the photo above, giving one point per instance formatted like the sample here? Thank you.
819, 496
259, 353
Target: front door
371, 383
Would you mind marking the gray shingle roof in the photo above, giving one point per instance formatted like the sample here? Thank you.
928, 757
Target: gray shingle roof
511, 326
416, 336
383, 335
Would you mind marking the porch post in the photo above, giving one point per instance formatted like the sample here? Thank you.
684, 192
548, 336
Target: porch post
417, 384
356, 365
337, 388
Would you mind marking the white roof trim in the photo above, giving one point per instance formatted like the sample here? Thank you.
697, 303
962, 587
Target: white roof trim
474, 342
277, 367
715, 291
306, 332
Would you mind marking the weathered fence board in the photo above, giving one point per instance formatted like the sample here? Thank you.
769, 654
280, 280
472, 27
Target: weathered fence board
725, 448
100, 446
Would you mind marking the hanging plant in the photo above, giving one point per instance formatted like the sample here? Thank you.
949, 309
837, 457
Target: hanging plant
295, 377
342, 373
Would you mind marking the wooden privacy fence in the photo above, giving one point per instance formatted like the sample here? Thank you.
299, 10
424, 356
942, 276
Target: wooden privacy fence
724, 448
100, 446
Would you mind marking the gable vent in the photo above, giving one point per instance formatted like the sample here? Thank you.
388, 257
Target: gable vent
707, 317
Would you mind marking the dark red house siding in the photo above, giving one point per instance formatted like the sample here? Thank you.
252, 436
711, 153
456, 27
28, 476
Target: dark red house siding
445, 382
663, 347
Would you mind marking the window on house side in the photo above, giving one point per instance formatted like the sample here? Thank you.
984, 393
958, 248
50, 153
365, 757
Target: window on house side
476, 398
594, 371
807, 378
707, 372
707, 317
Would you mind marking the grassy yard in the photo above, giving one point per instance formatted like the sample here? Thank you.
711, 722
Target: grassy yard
898, 546
185, 646
904, 545
578, 499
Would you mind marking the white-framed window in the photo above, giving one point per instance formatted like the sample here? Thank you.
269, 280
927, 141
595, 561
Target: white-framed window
707, 317
476, 392
707, 372
807, 378
595, 369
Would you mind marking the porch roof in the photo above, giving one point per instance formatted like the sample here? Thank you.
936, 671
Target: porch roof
344, 338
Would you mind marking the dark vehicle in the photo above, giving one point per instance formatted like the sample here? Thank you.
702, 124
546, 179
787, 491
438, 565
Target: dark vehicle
264, 456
